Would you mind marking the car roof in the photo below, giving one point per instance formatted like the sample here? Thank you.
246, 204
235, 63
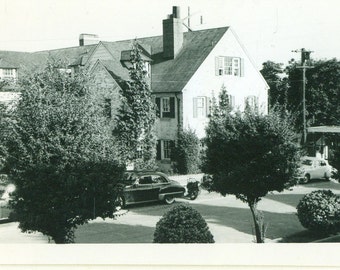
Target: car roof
146, 172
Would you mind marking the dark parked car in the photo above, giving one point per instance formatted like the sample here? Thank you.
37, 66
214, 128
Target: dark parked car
142, 186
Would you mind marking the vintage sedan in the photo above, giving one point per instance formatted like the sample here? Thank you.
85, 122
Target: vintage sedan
148, 186
313, 168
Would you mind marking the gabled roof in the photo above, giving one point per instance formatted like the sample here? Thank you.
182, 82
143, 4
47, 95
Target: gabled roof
167, 75
6, 64
171, 75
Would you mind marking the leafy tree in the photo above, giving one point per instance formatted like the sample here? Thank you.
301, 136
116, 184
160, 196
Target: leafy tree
186, 153
250, 154
62, 158
273, 73
3, 135
137, 115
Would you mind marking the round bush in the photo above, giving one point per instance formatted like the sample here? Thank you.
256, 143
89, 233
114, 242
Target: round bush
319, 211
182, 224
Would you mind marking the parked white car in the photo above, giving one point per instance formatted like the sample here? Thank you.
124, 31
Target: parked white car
314, 168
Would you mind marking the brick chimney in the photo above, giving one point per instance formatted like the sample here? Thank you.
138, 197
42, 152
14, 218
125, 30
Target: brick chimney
172, 34
88, 39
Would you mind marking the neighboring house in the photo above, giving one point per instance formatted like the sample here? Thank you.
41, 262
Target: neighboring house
185, 69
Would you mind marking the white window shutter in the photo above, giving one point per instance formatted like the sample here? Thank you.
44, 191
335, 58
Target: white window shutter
242, 67
195, 107
216, 66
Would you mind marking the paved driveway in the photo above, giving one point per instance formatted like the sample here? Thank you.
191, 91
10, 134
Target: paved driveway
229, 220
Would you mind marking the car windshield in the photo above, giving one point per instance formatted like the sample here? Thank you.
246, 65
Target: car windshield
307, 162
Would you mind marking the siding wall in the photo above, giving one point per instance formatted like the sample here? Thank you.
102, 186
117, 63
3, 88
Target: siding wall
205, 83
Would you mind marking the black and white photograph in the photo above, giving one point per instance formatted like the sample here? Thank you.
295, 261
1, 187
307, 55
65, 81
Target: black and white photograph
170, 133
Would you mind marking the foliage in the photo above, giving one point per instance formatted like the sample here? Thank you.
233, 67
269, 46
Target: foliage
249, 154
334, 160
62, 158
3, 135
320, 211
182, 224
186, 153
273, 73
322, 90
137, 115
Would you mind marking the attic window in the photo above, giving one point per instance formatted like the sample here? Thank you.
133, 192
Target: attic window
226, 65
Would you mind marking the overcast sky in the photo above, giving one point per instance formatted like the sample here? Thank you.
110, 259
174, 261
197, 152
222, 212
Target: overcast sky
269, 29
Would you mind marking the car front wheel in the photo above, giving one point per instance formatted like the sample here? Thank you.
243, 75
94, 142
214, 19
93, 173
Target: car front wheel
169, 200
305, 179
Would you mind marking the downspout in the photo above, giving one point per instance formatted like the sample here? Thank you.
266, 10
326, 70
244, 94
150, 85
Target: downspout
178, 113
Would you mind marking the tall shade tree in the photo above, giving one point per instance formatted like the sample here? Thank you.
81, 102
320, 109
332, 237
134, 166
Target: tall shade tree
62, 158
274, 75
250, 154
135, 122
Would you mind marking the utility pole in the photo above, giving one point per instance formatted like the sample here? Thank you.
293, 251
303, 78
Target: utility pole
305, 57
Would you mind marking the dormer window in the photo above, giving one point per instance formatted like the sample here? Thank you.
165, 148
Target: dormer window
125, 59
8, 72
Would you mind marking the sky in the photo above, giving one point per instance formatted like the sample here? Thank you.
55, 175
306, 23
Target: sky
268, 29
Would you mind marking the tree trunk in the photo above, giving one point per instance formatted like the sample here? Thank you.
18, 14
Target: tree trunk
258, 234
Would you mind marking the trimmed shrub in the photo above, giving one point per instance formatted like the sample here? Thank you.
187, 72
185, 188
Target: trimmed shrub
319, 211
182, 224
186, 153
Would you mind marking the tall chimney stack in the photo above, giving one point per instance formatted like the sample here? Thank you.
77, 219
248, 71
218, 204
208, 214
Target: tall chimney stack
172, 34
88, 39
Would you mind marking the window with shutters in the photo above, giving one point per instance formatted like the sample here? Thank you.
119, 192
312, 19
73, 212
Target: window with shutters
166, 149
201, 107
165, 107
226, 65
252, 102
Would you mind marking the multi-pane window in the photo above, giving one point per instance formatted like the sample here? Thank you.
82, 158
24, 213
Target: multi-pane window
252, 102
236, 66
166, 107
226, 65
166, 149
201, 107
8, 72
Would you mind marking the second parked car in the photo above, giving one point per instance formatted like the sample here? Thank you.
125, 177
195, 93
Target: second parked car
314, 168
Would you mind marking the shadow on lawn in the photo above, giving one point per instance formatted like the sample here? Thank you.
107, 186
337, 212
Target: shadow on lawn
279, 225
104, 233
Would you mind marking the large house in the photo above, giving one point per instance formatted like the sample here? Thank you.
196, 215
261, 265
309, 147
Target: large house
186, 69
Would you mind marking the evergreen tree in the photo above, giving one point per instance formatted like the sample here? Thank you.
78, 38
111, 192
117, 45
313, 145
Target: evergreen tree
136, 118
